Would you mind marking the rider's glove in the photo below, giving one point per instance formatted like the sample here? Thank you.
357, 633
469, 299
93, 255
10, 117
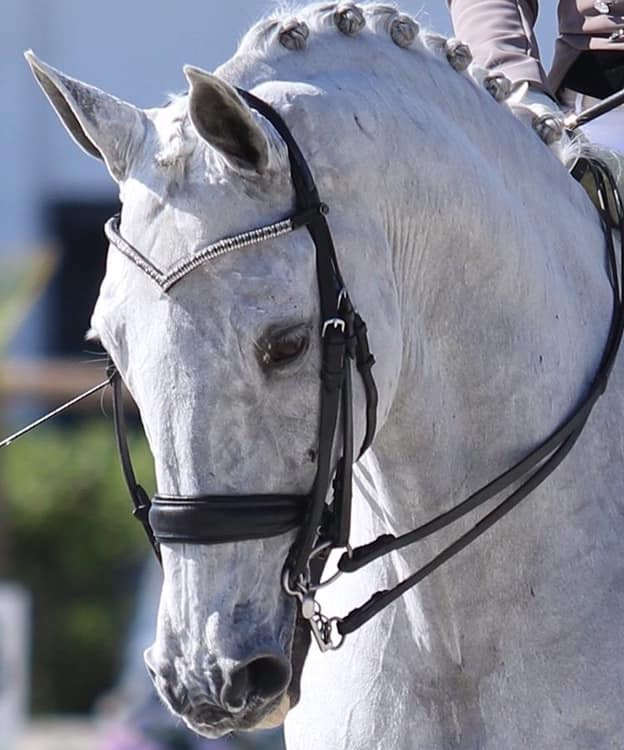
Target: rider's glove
542, 112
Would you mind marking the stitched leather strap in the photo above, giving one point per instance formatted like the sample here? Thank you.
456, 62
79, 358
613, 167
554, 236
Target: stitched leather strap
139, 497
215, 519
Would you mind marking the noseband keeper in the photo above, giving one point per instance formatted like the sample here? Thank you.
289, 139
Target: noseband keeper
218, 519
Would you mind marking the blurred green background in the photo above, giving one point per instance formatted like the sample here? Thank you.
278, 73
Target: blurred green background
74, 544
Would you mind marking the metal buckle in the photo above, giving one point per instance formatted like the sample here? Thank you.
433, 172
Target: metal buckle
335, 576
333, 323
323, 628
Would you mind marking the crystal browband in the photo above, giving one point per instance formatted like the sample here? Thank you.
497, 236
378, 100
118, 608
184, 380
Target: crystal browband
167, 278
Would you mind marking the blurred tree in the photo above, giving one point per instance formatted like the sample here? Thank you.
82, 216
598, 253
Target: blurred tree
76, 546
22, 280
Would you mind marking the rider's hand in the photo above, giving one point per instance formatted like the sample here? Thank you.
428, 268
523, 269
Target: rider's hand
542, 112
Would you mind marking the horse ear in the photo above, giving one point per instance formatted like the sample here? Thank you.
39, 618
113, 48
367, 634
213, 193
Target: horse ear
104, 126
225, 121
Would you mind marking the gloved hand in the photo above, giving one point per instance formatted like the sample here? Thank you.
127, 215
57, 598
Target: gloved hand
542, 113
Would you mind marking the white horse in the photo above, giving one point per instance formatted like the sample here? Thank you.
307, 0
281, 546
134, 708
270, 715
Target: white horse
478, 264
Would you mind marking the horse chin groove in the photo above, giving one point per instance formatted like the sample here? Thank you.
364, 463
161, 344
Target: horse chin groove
299, 652
248, 722
277, 716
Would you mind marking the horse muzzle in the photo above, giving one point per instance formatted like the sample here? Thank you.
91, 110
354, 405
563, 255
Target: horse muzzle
232, 696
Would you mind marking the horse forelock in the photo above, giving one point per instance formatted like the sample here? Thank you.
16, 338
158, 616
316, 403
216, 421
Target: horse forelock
176, 135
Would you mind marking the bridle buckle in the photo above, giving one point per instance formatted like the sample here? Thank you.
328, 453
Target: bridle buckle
337, 323
324, 629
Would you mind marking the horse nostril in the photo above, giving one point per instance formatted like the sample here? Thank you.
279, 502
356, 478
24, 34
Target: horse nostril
269, 676
264, 678
236, 691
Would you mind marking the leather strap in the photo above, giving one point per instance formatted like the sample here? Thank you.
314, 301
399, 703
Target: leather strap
335, 372
332, 375
219, 519
139, 497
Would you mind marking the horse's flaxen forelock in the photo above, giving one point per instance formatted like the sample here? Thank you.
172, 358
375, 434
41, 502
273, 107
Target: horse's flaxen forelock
176, 144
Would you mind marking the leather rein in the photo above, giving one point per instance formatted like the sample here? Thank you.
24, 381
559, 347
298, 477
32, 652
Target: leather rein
322, 525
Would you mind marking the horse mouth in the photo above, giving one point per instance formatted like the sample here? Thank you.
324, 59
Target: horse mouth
268, 716
213, 723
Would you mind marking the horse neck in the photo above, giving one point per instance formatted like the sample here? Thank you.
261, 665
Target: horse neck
485, 276
504, 310
503, 307
491, 284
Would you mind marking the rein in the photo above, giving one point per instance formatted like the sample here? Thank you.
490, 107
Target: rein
323, 526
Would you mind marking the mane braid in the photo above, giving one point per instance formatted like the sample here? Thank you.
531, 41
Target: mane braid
263, 37
291, 29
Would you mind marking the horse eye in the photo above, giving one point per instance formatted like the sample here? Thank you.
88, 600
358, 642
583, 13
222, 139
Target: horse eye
283, 348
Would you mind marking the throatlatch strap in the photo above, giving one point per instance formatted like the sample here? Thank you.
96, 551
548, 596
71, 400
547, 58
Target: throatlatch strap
140, 498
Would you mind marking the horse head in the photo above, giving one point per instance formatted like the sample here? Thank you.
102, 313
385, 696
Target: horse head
464, 245
224, 367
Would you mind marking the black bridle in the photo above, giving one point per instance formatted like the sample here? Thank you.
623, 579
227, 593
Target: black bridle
323, 516
213, 519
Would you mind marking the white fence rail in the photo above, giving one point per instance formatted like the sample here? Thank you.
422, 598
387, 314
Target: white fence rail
14, 662
49, 379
